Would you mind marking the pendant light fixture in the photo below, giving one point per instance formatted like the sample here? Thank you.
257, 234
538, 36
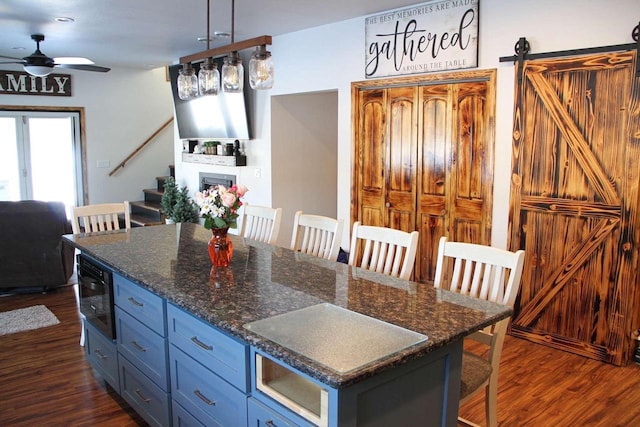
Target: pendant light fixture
187, 82
208, 76
231, 77
232, 73
261, 69
232, 69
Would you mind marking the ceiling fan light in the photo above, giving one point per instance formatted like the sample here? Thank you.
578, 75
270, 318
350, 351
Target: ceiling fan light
187, 82
38, 70
232, 73
261, 69
208, 78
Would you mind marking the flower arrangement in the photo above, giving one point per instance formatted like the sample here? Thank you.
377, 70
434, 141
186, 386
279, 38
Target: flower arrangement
219, 205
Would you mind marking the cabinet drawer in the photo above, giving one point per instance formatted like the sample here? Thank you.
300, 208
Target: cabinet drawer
145, 306
182, 418
217, 351
102, 355
263, 416
143, 347
207, 397
148, 400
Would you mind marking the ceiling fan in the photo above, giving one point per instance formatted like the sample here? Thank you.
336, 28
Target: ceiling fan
39, 64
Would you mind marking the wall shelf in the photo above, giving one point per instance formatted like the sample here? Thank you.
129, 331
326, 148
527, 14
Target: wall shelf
211, 159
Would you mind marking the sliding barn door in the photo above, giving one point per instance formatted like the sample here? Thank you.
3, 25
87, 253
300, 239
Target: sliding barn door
574, 204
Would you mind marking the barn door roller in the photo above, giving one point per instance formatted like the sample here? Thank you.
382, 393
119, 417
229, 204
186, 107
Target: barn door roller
522, 49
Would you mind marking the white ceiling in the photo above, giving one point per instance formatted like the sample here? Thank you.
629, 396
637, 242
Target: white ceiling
153, 33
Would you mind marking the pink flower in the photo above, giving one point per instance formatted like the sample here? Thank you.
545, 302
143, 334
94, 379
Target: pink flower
228, 199
241, 190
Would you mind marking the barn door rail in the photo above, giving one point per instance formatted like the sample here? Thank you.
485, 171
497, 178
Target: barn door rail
522, 49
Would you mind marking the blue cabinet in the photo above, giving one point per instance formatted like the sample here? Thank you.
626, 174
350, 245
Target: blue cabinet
182, 417
421, 392
219, 352
149, 400
209, 398
143, 347
142, 351
209, 372
176, 369
147, 307
102, 355
261, 415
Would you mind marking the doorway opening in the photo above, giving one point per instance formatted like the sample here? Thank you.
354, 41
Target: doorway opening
304, 152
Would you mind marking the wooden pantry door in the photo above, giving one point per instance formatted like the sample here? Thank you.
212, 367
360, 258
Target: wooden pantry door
423, 158
574, 204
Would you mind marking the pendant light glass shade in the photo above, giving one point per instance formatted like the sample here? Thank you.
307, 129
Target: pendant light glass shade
208, 78
261, 69
232, 73
187, 82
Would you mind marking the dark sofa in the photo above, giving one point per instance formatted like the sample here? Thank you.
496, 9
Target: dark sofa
32, 253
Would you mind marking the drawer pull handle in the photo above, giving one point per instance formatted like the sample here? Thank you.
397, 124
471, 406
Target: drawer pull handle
270, 423
133, 301
204, 398
138, 346
144, 399
100, 355
201, 344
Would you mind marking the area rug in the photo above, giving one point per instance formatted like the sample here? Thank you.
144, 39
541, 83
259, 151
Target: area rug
26, 319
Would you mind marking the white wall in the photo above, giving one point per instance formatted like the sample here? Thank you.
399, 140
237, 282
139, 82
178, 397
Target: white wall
332, 56
122, 109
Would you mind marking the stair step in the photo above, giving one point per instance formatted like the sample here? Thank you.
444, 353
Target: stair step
161, 180
138, 220
152, 195
146, 206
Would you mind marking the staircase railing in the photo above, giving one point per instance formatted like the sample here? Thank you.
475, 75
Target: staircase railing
140, 147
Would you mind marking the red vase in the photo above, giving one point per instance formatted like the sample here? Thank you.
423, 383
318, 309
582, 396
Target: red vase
220, 247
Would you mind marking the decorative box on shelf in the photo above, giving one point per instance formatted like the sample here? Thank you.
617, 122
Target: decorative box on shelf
208, 159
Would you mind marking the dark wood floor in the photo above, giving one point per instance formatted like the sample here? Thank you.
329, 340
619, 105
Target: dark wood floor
44, 377
45, 380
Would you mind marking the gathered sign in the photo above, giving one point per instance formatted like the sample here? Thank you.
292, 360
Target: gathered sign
435, 36
21, 83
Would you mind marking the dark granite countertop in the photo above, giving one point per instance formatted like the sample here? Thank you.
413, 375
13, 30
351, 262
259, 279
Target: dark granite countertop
263, 281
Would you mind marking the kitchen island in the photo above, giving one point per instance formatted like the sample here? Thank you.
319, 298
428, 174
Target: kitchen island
407, 374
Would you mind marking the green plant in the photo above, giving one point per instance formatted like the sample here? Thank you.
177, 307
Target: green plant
210, 146
185, 210
169, 197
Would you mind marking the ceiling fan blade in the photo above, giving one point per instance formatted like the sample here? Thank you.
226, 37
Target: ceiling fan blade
84, 67
12, 62
72, 60
11, 57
